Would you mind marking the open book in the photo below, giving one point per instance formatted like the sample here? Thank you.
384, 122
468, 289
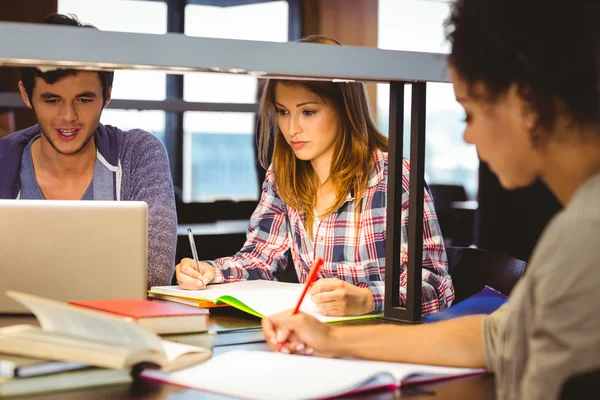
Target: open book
259, 297
77, 334
268, 375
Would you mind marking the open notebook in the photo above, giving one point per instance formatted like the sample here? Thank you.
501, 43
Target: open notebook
267, 375
260, 298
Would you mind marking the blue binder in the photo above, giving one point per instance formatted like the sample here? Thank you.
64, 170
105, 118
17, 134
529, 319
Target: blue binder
485, 302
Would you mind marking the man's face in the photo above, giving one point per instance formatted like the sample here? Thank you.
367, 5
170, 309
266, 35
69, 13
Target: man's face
68, 111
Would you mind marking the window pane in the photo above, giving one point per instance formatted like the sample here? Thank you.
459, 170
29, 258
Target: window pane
152, 121
413, 25
126, 16
262, 21
417, 25
218, 158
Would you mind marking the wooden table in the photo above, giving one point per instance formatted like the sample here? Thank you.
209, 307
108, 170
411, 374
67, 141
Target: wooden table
240, 331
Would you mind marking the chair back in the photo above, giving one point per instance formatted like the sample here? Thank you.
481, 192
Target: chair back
472, 269
444, 195
581, 386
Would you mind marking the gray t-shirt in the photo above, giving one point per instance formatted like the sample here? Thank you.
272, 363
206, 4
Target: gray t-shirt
550, 328
30, 189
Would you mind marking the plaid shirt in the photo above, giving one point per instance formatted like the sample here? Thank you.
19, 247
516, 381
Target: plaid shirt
358, 259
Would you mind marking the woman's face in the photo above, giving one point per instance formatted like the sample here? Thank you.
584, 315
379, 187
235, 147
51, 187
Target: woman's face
501, 132
308, 124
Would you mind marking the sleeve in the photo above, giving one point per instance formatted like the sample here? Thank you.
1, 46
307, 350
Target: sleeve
264, 252
491, 327
436, 285
564, 338
151, 183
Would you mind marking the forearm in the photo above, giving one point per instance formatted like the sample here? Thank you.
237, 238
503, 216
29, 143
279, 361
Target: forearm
246, 266
458, 342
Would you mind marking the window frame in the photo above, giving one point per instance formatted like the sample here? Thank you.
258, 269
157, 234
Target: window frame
197, 212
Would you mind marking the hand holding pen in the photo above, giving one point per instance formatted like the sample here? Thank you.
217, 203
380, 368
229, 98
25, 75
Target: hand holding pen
193, 274
282, 335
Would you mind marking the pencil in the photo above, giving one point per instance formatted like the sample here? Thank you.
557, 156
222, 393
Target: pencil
311, 277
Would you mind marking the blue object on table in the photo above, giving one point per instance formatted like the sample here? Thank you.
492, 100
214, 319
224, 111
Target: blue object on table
485, 302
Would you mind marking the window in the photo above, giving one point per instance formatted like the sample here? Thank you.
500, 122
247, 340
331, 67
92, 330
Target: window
417, 25
218, 158
222, 157
128, 16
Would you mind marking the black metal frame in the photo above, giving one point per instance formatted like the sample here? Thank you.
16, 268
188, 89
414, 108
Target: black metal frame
174, 120
411, 313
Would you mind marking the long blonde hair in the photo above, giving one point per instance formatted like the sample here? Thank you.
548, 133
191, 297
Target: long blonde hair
295, 180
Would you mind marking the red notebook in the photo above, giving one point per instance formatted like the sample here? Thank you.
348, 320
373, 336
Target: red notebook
158, 317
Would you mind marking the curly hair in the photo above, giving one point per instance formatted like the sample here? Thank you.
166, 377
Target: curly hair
549, 49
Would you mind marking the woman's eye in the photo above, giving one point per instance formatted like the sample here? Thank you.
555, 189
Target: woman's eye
308, 113
281, 112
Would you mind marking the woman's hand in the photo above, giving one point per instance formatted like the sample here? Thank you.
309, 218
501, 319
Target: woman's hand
188, 277
299, 333
335, 297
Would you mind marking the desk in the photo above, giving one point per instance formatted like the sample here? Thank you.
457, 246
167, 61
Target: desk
241, 332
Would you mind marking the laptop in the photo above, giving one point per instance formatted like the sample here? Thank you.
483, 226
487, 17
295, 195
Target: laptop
72, 250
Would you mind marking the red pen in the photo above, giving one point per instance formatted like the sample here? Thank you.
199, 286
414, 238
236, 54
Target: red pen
312, 274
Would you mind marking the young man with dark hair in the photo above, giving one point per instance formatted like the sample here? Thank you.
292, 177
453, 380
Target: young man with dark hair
70, 155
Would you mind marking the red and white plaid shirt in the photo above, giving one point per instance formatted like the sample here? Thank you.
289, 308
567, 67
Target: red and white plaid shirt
275, 228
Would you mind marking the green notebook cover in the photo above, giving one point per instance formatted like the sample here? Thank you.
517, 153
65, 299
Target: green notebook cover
234, 302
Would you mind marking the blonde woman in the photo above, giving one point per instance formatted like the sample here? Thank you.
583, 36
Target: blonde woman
325, 196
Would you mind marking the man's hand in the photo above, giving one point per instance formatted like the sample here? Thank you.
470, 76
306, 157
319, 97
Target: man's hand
335, 297
191, 279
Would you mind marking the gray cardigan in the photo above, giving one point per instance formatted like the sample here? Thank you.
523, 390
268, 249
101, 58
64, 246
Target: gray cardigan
130, 165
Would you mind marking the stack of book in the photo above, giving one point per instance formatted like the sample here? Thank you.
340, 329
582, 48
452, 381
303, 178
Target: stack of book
21, 375
94, 343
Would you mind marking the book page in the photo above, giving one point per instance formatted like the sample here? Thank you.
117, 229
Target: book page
87, 324
269, 375
273, 376
263, 297
181, 355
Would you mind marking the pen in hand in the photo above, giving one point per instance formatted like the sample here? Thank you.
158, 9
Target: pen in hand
311, 277
194, 252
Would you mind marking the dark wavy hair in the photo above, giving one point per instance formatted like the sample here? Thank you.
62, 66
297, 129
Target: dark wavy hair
28, 74
549, 49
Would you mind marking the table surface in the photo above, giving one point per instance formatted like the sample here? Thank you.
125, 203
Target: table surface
239, 331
